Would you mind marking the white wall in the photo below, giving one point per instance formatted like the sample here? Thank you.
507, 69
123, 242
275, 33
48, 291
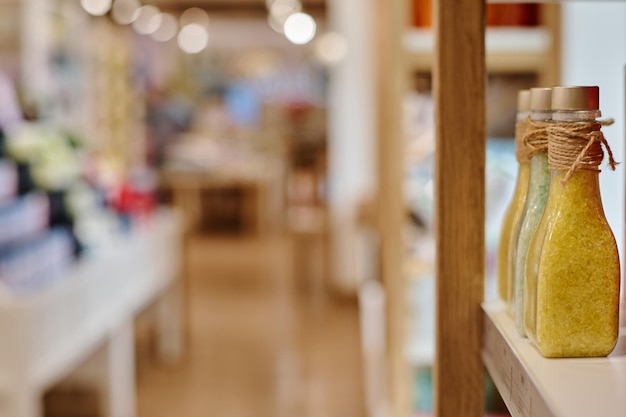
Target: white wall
594, 53
351, 136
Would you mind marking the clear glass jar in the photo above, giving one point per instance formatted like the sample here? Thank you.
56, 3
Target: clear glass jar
538, 186
572, 265
512, 216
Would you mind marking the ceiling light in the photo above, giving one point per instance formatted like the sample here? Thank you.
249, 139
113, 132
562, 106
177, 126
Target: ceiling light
125, 12
148, 20
193, 38
96, 7
280, 10
294, 4
194, 15
167, 29
299, 28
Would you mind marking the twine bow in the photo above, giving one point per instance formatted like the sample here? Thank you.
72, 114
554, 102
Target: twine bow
577, 146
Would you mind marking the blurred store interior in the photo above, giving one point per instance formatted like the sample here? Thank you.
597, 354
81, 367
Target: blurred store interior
188, 199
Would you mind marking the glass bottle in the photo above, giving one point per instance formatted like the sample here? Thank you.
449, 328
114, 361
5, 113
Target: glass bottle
513, 213
538, 183
573, 256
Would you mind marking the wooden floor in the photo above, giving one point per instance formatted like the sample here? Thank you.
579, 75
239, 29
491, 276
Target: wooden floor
258, 347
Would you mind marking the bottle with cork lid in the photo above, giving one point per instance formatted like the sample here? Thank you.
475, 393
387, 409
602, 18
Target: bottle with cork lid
573, 255
536, 144
512, 216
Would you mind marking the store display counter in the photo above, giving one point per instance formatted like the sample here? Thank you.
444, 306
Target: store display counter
87, 318
532, 385
258, 191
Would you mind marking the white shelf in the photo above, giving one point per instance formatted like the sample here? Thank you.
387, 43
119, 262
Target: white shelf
508, 49
532, 385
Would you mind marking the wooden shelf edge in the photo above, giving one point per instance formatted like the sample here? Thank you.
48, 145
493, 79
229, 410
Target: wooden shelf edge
532, 385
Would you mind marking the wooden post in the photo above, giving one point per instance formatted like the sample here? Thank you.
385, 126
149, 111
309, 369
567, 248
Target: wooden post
551, 19
392, 79
459, 87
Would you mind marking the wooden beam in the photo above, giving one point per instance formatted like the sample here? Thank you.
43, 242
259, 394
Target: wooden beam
551, 20
392, 69
459, 87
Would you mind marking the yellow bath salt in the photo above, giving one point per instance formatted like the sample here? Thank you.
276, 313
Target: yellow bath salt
512, 218
532, 270
511, 221
573, 260
579, 273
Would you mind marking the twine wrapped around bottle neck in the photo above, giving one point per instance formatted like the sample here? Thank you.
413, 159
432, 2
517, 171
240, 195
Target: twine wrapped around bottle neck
521, 151
574, 146
535, 137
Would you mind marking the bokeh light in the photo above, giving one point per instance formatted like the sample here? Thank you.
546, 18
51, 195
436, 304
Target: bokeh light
193, 38
280, 10
300, 28
96, 7
168, 28
194, 15
125, 12
148, 21
331, 47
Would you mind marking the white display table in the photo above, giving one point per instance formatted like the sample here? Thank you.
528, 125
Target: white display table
86, 320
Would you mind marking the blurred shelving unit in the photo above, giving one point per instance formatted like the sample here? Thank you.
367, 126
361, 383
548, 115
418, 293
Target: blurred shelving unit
470, 337
508, 49
459, 52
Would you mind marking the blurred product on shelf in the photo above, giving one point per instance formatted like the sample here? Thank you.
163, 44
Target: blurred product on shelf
501, 173
512, 218
419, 128
135, 199
53, 157
420, 240
167, 115
23, 218
37, 262
8, 180
56, 196
513, 14
25, 182
422, 13
48, 165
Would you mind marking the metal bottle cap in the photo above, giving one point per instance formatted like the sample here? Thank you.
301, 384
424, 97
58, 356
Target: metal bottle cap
540, 99
575, 98
523, 100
